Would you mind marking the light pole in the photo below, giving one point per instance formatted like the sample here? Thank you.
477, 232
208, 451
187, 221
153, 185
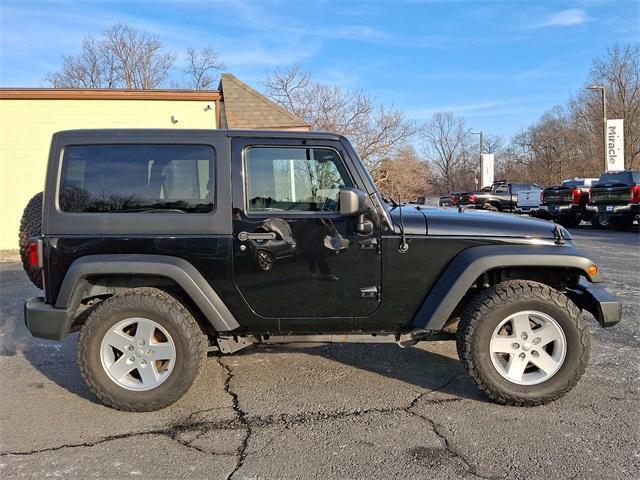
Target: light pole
481, 146
604, 121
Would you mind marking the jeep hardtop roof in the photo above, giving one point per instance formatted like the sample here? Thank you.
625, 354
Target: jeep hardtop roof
143, 132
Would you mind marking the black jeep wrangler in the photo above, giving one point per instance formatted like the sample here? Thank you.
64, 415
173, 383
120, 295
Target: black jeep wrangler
150, 248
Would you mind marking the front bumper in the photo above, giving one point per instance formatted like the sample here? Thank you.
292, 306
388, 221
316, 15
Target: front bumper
598, 301
44, 320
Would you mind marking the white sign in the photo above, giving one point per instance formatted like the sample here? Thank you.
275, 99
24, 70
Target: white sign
615, 145
486, 178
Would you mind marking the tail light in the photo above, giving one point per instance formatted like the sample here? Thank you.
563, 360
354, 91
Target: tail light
635, 194
34, 252
453, 200
472, 198
541, 196
575, 196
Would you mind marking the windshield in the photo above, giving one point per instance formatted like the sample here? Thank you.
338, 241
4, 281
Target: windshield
623, 178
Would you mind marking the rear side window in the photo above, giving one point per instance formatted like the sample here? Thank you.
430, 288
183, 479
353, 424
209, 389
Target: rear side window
137, 178
625, 178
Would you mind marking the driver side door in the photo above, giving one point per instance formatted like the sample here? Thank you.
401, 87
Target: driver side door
296, 258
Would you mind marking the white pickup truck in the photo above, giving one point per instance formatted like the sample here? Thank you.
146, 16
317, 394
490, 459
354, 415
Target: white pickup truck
528, 200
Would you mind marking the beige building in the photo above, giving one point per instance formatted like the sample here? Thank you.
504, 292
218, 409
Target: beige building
28, 118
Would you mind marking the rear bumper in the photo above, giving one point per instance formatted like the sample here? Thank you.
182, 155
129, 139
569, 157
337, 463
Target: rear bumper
557, 210
44, 320
598, 301
631, 209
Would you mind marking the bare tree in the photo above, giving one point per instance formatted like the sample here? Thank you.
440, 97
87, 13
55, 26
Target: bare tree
376, 131
405, 177
123, 58
619, 71
446, 141
202, 68
567, 141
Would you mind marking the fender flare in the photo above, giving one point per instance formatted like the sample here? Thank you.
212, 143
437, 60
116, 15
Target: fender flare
177, 269
468, 265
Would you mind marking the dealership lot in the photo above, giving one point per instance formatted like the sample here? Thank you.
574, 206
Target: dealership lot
336, 411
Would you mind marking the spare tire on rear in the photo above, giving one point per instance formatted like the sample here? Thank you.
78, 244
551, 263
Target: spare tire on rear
31, 226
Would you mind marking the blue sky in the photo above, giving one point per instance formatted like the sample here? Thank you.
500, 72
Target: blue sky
498, 63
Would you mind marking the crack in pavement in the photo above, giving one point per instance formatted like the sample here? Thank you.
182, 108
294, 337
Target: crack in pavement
241, 417
454, 452
244, 422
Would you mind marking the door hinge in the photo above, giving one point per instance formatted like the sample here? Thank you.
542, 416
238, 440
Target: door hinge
370, 292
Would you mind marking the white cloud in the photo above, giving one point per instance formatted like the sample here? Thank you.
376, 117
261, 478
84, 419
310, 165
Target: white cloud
565, 18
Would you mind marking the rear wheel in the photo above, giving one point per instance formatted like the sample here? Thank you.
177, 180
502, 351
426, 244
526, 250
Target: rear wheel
622, 224
600, 220
30, 226
491, 207
570, 222
523, 343
140, 350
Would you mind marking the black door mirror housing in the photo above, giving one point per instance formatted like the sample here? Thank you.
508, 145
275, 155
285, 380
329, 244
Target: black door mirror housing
353, 201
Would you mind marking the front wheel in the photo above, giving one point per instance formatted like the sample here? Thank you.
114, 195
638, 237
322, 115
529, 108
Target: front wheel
523, 343
140, 350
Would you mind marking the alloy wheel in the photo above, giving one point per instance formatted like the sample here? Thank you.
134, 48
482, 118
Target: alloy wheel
138, 354
528, 347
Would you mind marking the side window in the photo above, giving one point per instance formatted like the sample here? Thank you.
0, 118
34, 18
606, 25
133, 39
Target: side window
137, 178
502, 189
294, 179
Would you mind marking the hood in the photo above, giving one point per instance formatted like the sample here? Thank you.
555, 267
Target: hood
471, 223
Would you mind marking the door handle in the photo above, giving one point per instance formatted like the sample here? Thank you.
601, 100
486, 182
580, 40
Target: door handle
244, 236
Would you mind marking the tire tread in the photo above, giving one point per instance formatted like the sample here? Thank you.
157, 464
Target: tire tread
152, 299
500, 295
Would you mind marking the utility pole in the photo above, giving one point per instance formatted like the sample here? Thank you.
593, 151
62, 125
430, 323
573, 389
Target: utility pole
480, 160
604, 120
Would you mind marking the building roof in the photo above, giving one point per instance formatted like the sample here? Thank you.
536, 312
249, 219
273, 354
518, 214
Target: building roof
246, 108
105, 94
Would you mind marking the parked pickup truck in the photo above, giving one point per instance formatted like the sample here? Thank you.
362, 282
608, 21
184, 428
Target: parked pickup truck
529, 200
502, 196
615, 200
566, 203
148, 247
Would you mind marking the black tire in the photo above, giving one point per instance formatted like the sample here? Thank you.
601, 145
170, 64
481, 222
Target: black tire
621, 224
490, 207
484, 314
30, 226
190, 348
600, 221
569, 222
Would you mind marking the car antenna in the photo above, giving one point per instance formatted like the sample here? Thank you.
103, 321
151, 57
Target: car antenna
404, 246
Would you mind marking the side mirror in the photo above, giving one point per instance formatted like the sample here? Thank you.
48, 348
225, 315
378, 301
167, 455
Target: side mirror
353, 201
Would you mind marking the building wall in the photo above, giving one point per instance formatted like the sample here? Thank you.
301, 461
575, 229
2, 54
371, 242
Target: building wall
26, 127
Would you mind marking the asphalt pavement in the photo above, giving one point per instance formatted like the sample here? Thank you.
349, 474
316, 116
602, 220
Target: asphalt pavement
327, 412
